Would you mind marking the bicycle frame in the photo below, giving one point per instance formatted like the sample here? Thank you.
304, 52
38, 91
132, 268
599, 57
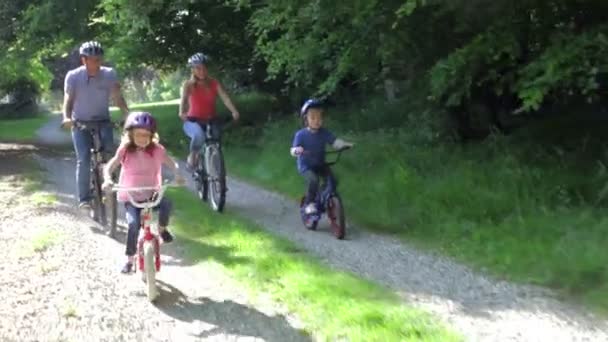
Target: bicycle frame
146, 217
93, 128
329, 190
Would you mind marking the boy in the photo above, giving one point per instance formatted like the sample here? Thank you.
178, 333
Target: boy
309, 147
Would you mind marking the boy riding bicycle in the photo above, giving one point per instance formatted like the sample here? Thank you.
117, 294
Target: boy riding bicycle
309, 147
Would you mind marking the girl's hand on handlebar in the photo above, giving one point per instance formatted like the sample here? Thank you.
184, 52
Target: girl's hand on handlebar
107, 185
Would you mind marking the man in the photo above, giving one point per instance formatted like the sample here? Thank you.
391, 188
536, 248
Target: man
87, 99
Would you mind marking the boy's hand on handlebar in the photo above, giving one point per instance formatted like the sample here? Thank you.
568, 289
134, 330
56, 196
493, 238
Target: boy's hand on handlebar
297, 150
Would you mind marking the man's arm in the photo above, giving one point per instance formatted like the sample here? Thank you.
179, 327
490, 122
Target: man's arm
68, 106
119, 100
68, 98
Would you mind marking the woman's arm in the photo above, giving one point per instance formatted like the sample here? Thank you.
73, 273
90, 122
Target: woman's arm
183, 103
227, 101
174, 167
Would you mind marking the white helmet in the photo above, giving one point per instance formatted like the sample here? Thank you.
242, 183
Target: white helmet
197, 58
91, 48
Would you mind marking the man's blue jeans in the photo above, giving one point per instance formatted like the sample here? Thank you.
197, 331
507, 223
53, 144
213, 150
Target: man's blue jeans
83, 143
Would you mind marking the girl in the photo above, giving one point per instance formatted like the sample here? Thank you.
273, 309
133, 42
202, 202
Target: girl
141, 158
197, 105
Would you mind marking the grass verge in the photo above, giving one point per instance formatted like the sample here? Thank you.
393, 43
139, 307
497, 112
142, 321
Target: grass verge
333, 305
16, 130
527, 208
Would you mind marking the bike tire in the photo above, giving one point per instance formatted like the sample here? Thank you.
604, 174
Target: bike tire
201, 177
99, 210
309, 223
215, 167
112, 206
337, 217
150, 271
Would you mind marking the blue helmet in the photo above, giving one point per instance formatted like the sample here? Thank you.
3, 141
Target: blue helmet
310, 103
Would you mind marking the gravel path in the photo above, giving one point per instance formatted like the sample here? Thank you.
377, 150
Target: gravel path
60, 277
481, 308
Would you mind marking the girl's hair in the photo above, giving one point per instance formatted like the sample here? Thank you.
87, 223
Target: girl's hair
127, 140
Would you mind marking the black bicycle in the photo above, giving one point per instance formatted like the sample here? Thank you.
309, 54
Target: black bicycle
104, 205
210, 171
327, 201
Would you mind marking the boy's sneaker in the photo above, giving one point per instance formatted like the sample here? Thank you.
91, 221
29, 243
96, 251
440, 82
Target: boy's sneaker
127, 268
310, 209
167, 237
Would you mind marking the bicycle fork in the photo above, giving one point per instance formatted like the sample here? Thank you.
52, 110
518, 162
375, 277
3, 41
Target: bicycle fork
148, 236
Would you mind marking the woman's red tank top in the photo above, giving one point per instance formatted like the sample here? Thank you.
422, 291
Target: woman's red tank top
202, 101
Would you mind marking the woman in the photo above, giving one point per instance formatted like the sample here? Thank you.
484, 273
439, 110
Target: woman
197, 105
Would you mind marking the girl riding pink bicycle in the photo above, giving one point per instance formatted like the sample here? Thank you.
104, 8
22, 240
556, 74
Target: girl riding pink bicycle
141, 157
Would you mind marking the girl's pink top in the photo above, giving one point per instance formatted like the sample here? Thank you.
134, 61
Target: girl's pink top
140, 168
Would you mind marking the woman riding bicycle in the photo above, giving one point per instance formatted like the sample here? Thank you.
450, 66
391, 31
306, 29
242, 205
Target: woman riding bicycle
197, 105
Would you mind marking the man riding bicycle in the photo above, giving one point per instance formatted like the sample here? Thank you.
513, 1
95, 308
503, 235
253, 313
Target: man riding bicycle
87, 99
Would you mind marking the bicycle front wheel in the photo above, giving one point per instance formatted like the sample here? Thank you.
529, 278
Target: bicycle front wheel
214, 161
99, 210
336, 216
150, 271
201, 178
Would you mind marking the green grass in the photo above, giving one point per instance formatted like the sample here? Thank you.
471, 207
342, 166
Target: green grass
525, 213
43, 240
333, 305
43, 199
17, 130
528, 208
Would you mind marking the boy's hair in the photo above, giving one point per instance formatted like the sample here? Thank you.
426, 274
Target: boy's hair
127, 141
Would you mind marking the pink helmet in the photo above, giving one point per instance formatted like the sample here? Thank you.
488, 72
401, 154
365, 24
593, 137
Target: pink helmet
143, 120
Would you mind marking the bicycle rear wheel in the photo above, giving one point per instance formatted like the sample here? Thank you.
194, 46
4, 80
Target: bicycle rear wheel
150, 271
112, 208
217, 177
336, 216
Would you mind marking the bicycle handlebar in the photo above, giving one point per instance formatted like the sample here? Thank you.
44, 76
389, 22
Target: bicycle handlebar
147, 204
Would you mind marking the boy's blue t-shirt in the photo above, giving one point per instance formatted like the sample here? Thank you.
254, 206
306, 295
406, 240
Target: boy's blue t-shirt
314, 147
